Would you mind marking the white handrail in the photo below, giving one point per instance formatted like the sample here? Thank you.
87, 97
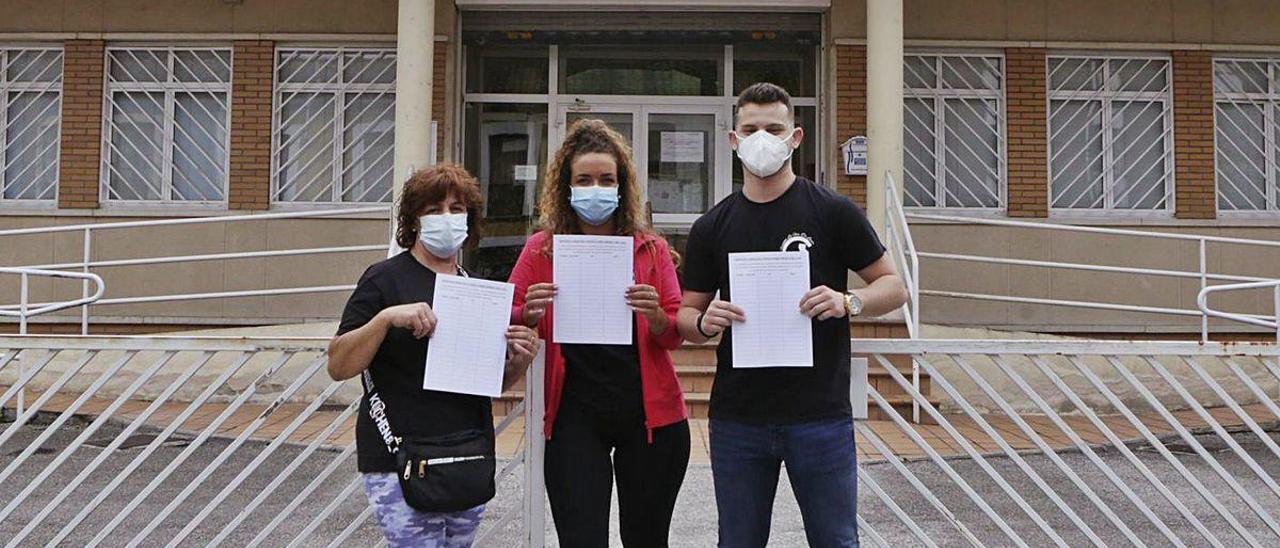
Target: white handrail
898, 231
896, 218
86, 262
216, 257
1202, 301
1090, 229
1201, 273
194, 220
25, 309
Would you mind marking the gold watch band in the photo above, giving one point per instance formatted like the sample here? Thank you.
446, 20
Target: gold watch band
852, 304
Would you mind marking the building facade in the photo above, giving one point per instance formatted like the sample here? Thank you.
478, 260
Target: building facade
1148, 114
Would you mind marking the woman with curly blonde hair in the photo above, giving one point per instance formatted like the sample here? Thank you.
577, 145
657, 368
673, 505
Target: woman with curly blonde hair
613, 412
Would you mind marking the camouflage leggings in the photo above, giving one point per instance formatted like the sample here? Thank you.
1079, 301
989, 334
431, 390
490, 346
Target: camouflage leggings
404, 526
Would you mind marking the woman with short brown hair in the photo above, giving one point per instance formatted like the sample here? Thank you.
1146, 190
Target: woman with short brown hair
384, 333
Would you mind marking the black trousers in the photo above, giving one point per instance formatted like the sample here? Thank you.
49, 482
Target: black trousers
580, 476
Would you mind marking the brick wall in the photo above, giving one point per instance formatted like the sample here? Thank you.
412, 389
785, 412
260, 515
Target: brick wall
1028, 161
81, 145
1193, 134
249, 187
439, 91
851, 114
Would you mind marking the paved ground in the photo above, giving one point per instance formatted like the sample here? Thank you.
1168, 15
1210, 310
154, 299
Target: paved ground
695, 514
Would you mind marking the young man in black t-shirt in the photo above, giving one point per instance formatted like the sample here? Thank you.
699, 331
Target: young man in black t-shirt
763, 417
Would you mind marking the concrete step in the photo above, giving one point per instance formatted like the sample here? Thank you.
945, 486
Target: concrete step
699, 402
696, 369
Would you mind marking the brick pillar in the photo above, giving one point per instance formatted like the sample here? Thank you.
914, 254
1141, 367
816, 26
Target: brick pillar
1028, 126
439, 73
851, 114
81, 146
249, 186
1193, 134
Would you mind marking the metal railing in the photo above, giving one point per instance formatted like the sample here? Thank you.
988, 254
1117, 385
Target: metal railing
1202, 301
1202, 274
226, 441
87, 263
899, 241
902, 251
902, 248
1070, 443
218, 441
26, 310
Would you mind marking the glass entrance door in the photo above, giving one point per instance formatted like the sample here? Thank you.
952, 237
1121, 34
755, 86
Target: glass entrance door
621, 122
683, 162
679, 152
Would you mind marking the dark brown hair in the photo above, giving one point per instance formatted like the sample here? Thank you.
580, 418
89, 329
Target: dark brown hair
430, 186
764, 93
585, 137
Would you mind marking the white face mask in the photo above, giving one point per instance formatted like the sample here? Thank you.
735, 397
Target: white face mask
443, 235
764, 153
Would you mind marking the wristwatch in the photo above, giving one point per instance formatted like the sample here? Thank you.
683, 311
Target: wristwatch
852, 304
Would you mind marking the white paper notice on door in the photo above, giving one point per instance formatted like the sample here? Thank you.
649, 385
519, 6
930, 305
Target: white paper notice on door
769, 287
526, 172
592, 274
468, 349
683, 146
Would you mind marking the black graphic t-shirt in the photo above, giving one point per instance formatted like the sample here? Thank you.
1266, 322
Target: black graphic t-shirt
400, 364
838, 238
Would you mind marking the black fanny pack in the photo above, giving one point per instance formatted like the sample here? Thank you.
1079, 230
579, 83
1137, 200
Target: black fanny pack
448, 473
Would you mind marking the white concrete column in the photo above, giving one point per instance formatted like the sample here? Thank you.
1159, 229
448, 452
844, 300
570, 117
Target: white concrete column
884, 103
415, 47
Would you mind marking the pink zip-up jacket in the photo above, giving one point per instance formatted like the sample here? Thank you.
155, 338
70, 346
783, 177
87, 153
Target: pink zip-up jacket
663, 398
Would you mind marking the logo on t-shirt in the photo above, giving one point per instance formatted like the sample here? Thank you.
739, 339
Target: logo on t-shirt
797, 241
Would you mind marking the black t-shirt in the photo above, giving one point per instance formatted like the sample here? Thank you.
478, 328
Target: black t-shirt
400, 364
839, 239
604, 378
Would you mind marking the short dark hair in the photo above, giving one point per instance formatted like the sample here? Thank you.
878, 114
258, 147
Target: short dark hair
765, 93
432, 185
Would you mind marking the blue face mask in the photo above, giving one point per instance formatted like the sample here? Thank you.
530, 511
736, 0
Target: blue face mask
595, 204
443, 235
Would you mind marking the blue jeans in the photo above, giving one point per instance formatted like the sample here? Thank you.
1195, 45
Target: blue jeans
821, 463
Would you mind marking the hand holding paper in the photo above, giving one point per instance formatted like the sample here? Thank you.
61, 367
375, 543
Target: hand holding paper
768, 287
592, 274
468, 349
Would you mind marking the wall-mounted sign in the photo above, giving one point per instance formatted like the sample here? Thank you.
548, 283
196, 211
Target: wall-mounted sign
855, 155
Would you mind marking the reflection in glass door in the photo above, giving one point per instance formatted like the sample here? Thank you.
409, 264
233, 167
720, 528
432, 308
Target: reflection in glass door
621, 122
681, 162
505, 148
676, 149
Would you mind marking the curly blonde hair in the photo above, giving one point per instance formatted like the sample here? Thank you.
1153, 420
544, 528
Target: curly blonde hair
585, 137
